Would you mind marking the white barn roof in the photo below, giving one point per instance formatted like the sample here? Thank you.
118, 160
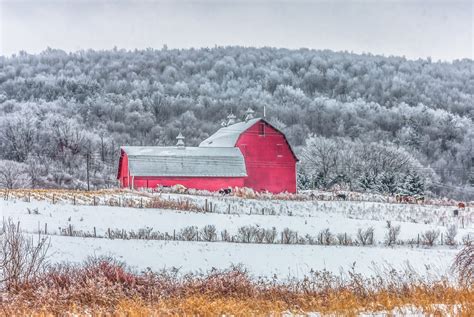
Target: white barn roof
227, 137
187, 161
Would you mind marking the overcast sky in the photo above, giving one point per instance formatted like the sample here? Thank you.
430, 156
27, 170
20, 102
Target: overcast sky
412, 28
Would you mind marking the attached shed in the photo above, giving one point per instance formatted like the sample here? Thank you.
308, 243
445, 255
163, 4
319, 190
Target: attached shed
193, 167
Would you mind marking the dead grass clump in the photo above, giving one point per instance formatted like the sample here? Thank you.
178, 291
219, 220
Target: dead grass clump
103, 285
429, 237
160, 203
365, 236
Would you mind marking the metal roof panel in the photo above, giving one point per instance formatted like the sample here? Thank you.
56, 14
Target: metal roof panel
185, 162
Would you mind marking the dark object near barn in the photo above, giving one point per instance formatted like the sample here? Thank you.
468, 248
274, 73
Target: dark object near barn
225, 191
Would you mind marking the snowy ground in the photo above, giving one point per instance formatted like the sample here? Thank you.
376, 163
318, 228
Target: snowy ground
305, 217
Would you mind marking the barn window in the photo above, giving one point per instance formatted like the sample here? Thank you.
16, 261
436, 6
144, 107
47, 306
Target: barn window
261, 130
279, 150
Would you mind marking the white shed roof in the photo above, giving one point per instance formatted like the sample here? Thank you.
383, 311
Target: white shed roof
187, 161
227, 137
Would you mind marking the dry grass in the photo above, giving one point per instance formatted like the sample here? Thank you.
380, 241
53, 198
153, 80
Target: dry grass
112, 196
104, 286
107, 197
186, 205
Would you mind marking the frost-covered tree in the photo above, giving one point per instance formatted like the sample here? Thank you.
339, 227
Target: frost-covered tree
370, 167
13, 174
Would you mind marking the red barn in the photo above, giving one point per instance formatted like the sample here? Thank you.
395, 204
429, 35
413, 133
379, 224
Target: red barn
250, 154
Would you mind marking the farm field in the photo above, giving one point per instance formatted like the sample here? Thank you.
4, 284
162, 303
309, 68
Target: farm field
307, 235
294, 254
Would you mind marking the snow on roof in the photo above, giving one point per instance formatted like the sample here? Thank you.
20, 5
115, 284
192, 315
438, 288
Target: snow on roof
227, 137
185, 161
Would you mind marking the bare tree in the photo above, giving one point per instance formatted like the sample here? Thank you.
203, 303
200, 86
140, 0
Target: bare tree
22, 259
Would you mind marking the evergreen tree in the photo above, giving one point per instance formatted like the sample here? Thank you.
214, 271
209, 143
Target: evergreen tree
387, 183
303, 181
366, 182
320, 181
413, 184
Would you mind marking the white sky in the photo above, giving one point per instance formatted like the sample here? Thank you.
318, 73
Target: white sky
412, 28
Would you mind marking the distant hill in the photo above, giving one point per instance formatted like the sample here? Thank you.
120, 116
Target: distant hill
55, 106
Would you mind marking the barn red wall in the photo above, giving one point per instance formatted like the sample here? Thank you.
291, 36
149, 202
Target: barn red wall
203, 183
270, 162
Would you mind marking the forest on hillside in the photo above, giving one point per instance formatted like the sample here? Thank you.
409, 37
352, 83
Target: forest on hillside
61, 112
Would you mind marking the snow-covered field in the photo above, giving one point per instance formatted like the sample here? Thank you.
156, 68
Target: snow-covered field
230, 213
286, 261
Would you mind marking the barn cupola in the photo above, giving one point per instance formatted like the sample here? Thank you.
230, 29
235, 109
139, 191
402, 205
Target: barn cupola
180, 143
231, 119
249, 114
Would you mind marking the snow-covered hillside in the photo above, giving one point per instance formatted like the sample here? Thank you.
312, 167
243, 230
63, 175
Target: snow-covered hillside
78, 231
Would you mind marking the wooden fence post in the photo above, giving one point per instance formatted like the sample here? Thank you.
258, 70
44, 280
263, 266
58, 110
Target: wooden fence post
95, 233
46, 228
